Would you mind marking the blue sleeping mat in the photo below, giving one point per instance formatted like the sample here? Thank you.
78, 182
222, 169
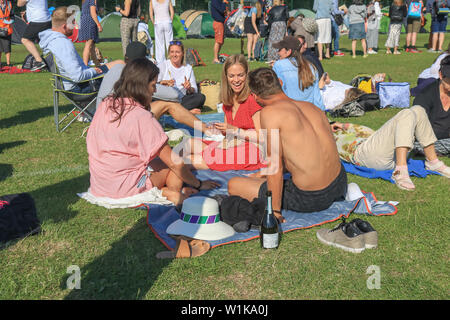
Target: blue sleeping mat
160, 217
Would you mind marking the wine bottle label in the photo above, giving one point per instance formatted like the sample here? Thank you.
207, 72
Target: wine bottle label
270, 241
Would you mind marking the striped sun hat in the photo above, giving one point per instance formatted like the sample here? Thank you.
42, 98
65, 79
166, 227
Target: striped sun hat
200, 219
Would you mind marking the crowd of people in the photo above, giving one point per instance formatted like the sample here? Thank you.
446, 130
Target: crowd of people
270, 113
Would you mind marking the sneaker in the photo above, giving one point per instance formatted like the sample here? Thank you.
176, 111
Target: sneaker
439, 166
39, 66
413, 50
418, 51
372, 52
365, 56
345, 236
408, 49
370, 235
431, 50
338, 53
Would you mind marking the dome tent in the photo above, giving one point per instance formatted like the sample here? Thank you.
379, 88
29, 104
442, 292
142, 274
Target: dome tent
201, 26
111, 27
177, 26
307, 13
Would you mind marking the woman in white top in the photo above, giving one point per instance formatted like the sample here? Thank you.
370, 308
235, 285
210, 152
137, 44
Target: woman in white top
176, 74
161, 14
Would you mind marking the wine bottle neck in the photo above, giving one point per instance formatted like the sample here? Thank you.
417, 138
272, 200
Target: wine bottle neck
269, 205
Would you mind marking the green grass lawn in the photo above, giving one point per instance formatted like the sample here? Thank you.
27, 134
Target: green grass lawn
115, 249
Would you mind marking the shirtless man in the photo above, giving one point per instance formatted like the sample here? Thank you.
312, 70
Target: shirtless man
306, 149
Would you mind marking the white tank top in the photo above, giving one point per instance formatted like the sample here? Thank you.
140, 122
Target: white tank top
161, 11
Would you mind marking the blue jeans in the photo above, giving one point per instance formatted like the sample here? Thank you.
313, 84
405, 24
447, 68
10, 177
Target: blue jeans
335, 34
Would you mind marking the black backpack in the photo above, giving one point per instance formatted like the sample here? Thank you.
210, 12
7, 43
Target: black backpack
369, 101
18, 218
30, 62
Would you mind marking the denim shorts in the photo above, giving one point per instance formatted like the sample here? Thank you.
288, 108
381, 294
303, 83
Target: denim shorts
357, 31
439, 24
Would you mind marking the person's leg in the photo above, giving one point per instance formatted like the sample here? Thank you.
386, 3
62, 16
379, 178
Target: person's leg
364, 46
31, 47
441, 39
335, 35
434, 41
217, 47
88, 47
408, 40
178, 112
247, 188
255, 40
249, 46
320, 49
413, 39
168, 36
8, 58
354, 48
327, 52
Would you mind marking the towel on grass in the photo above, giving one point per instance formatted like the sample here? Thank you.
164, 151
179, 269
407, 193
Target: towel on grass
160, 217
416, 168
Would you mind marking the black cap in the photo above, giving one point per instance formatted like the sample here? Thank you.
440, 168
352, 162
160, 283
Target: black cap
289, 43
136, 50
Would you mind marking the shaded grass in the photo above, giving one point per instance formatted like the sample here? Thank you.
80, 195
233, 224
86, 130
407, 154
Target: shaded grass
115, 250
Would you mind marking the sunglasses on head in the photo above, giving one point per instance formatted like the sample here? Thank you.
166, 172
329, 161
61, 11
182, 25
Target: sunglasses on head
175, 42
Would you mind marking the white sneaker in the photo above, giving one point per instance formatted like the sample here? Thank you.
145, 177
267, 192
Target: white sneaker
372, 52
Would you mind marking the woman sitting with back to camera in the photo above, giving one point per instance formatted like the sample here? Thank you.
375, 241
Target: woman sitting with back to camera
127, 147
239, 150
300, 79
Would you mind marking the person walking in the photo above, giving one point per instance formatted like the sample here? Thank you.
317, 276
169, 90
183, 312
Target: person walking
323, 9
397, 11
6, 30
161, 14
89, 29
128, 24
357, 15
251, 28
39, 19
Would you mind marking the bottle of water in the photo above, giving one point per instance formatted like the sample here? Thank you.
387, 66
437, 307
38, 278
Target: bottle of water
269, 234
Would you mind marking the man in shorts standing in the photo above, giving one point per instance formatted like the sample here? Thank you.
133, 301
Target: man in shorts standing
299, 140
39, 19
218, 10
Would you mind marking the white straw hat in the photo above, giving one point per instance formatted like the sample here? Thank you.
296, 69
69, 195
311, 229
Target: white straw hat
200, 219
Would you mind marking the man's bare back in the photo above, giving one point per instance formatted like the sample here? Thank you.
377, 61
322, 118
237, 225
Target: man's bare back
308, 148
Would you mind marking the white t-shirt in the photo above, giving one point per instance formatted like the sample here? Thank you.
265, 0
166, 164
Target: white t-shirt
37, 11
168, 72
433, 71
333, 94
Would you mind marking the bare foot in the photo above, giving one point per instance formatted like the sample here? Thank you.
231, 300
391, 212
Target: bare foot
174, 196
188, 191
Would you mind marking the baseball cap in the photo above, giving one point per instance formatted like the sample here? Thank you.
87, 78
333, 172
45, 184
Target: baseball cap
136, 50
289, 43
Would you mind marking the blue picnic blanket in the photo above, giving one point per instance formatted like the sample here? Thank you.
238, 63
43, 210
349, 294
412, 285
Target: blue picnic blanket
166, 120
416, 168
159, 217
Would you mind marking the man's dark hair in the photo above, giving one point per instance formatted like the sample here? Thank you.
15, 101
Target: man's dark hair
264, 82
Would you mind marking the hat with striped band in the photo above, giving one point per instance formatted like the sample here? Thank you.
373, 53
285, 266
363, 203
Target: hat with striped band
200, 219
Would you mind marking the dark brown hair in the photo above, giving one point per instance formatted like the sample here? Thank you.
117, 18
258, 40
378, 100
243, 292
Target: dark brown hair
264, 82
306, 76
133, 84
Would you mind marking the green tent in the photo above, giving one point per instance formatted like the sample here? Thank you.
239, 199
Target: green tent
201, 26
307, 13
111, 27
178, 28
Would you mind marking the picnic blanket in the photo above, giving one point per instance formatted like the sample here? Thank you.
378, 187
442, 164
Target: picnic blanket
167, 120
159, 217
15, 70
416, 168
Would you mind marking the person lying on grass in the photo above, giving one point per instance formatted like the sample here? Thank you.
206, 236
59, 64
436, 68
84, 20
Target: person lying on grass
388, 147
299, 140
127, 147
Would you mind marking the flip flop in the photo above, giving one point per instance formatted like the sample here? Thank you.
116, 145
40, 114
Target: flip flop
186, 248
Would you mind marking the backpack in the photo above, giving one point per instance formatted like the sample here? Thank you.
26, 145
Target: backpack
363, 82
261, 50
349, 109
441, 6
396, 13
193, 58
18, 218
369, 101
29, 62
415, 9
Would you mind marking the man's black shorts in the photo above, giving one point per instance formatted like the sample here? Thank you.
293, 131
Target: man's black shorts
33, 28
310, 201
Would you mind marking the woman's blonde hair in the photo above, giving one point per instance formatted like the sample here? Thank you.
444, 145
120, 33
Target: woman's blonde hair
352, 94
276, 3
258, 9
398, 2
226, 92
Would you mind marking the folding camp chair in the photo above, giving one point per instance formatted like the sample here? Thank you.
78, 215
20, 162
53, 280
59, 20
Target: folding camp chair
80, 101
